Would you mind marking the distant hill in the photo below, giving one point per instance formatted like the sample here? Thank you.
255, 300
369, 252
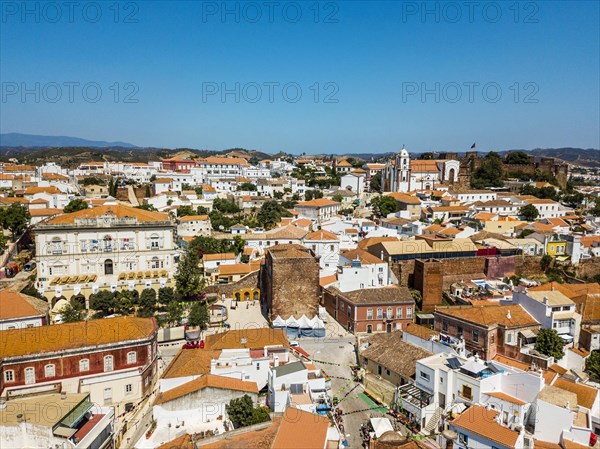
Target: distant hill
586, 157
32, 140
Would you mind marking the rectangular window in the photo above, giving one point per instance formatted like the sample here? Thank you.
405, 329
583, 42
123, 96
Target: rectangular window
409, 312
398, 312
475, 336
379, 313
29, 376
444, 326
424, 375
390, 313
128, 388
463, 439
107, 395
108, 363
369, 314
9, 376
467, 393
84, 365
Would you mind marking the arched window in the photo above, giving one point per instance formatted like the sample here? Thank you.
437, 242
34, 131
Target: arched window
131, 357
29, 376
369, 329
49, 370
108, 363
108, 266
84, 365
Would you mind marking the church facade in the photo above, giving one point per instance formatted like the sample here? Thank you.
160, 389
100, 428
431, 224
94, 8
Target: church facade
402, 174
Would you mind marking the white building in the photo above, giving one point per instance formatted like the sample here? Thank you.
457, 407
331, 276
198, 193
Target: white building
318, 210
326, 247
404, 175
103, 244
552, 310
354, 181
360, 269
193, 225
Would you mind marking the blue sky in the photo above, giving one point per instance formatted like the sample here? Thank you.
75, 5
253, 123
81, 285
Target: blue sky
345, 77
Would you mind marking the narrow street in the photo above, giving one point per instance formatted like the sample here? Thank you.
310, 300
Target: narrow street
335, 356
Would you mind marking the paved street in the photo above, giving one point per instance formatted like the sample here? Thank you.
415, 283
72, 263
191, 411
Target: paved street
335, 355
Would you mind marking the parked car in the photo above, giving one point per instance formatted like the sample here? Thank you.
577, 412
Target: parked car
30, 266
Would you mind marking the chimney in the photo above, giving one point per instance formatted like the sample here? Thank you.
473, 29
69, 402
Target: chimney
276, 361
243, 375
265, 352
450, 436
382, 255
545, 300
508, 314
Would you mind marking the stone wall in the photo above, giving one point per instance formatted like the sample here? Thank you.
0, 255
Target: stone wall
290, 286
588, 268
528, 266
249, 281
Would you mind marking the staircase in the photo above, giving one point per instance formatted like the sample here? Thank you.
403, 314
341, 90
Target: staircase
433, 422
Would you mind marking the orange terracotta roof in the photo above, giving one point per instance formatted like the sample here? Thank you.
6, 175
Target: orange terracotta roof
190, 362
365, 257
194, 218
247, 338
219, 256
238, 268
558, 369
326, 280
344, 163
484, 216
321, 235
491, 315
255, 439
319, 202
46, 212
586, 396
206, 381
370, 241
118, 211
404, 198
83, 334
420, 331
301, 428
450, 231
302, 222
424, 166
50, 190
481, 421
222, 161
505, 397
14, 305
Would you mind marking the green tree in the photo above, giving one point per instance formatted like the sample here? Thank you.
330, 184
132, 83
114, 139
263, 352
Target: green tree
338, 198
93, 181
73, 311
3, 242
549, 343
278, 195
260, 414
166, 295
545, 262
15, 218
75, 205
427, 156
188, 278
592, 365
573, 200
198, 315
184, 211
126, 301
489, 174
240, 411
595, 211
246, 187
384, 205
270, 214
104, 302
517, 157
174, 313
147, 303
147, 206
313, 195
528, 212
375, 183
225, 206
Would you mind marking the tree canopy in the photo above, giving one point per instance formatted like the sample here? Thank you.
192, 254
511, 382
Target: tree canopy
592, 365
549, 343
517, 157
75, 205
375, 183
529, 212
384, 205
198, 315
188, 279
489, 174
15, 218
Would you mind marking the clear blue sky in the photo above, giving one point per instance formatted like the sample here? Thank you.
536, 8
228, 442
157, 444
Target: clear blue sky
377, 57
